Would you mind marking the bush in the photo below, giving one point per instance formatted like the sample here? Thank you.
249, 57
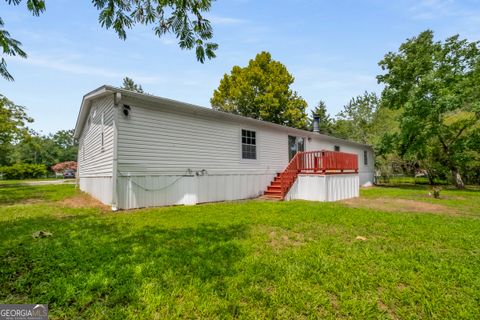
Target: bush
23, 171
62, 166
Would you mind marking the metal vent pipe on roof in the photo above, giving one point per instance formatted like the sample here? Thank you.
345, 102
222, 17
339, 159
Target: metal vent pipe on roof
316, 124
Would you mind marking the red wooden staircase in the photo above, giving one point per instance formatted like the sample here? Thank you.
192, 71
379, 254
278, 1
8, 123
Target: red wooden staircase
274, 190
310, 162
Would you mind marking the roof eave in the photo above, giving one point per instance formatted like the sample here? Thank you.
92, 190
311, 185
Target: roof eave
106, 89
85, 106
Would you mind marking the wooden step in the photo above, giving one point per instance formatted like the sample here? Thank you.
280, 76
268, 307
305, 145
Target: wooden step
274, 188
275, 193
271, 196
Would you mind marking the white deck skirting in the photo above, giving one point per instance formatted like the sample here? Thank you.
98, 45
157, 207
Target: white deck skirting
316, 187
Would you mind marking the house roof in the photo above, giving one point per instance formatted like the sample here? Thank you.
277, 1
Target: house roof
187, 107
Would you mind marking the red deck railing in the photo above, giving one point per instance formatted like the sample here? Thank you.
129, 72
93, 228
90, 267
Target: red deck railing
327, 162
316, 162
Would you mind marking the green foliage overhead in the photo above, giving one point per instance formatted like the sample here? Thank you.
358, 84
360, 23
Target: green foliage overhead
437, 87
129, 84
262, 91
11, 47
184, 19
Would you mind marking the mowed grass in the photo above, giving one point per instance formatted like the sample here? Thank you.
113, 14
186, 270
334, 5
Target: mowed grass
248, 259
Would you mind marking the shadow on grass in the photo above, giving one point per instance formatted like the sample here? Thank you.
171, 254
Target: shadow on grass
89, 267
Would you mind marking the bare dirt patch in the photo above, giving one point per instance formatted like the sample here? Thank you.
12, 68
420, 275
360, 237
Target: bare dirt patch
83, 200
279, 238
284, 238
334, 301
399, 205
385, 308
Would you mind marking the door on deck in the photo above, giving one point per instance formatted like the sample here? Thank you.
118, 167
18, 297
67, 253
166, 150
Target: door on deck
295, 144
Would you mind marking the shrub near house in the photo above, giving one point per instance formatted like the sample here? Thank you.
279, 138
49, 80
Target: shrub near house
23, 171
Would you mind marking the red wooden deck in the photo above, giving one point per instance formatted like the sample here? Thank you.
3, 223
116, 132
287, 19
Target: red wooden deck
311, 162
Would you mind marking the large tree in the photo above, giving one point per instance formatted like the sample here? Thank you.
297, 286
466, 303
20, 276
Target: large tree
45, 149
437, 87
261, 90
356, 120
184, 19
13, 122
65, 144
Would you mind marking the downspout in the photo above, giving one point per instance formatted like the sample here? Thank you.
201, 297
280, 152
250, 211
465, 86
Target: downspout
117, 97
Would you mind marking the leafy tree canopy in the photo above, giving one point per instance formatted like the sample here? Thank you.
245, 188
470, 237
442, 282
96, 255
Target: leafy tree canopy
437, 87
13, 122
45, 149
184, 19
356, 120
129, 84
262, 91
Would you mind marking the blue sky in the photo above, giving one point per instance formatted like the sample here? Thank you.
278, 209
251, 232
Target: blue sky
331, 47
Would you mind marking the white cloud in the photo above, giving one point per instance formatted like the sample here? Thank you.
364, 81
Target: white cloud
432, 9
219, 20
454, 16
71, 64
335, 87
439, 9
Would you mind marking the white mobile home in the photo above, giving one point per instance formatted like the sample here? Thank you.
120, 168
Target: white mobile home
138, 150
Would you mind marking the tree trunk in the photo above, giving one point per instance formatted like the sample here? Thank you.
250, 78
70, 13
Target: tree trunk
431, 179
457, 179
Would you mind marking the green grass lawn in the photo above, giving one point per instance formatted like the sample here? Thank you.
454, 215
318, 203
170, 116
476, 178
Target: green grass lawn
249, 259
24, 181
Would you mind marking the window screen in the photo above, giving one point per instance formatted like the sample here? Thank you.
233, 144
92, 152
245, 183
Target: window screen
249, 144
365, 157
337, 148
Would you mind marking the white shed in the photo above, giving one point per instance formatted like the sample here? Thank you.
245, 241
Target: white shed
138, 150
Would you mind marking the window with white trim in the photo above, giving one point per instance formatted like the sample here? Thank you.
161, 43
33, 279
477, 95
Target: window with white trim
365, 157
249, 144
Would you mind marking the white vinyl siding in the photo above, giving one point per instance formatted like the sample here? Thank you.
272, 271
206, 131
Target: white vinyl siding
161, 140
96, 160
